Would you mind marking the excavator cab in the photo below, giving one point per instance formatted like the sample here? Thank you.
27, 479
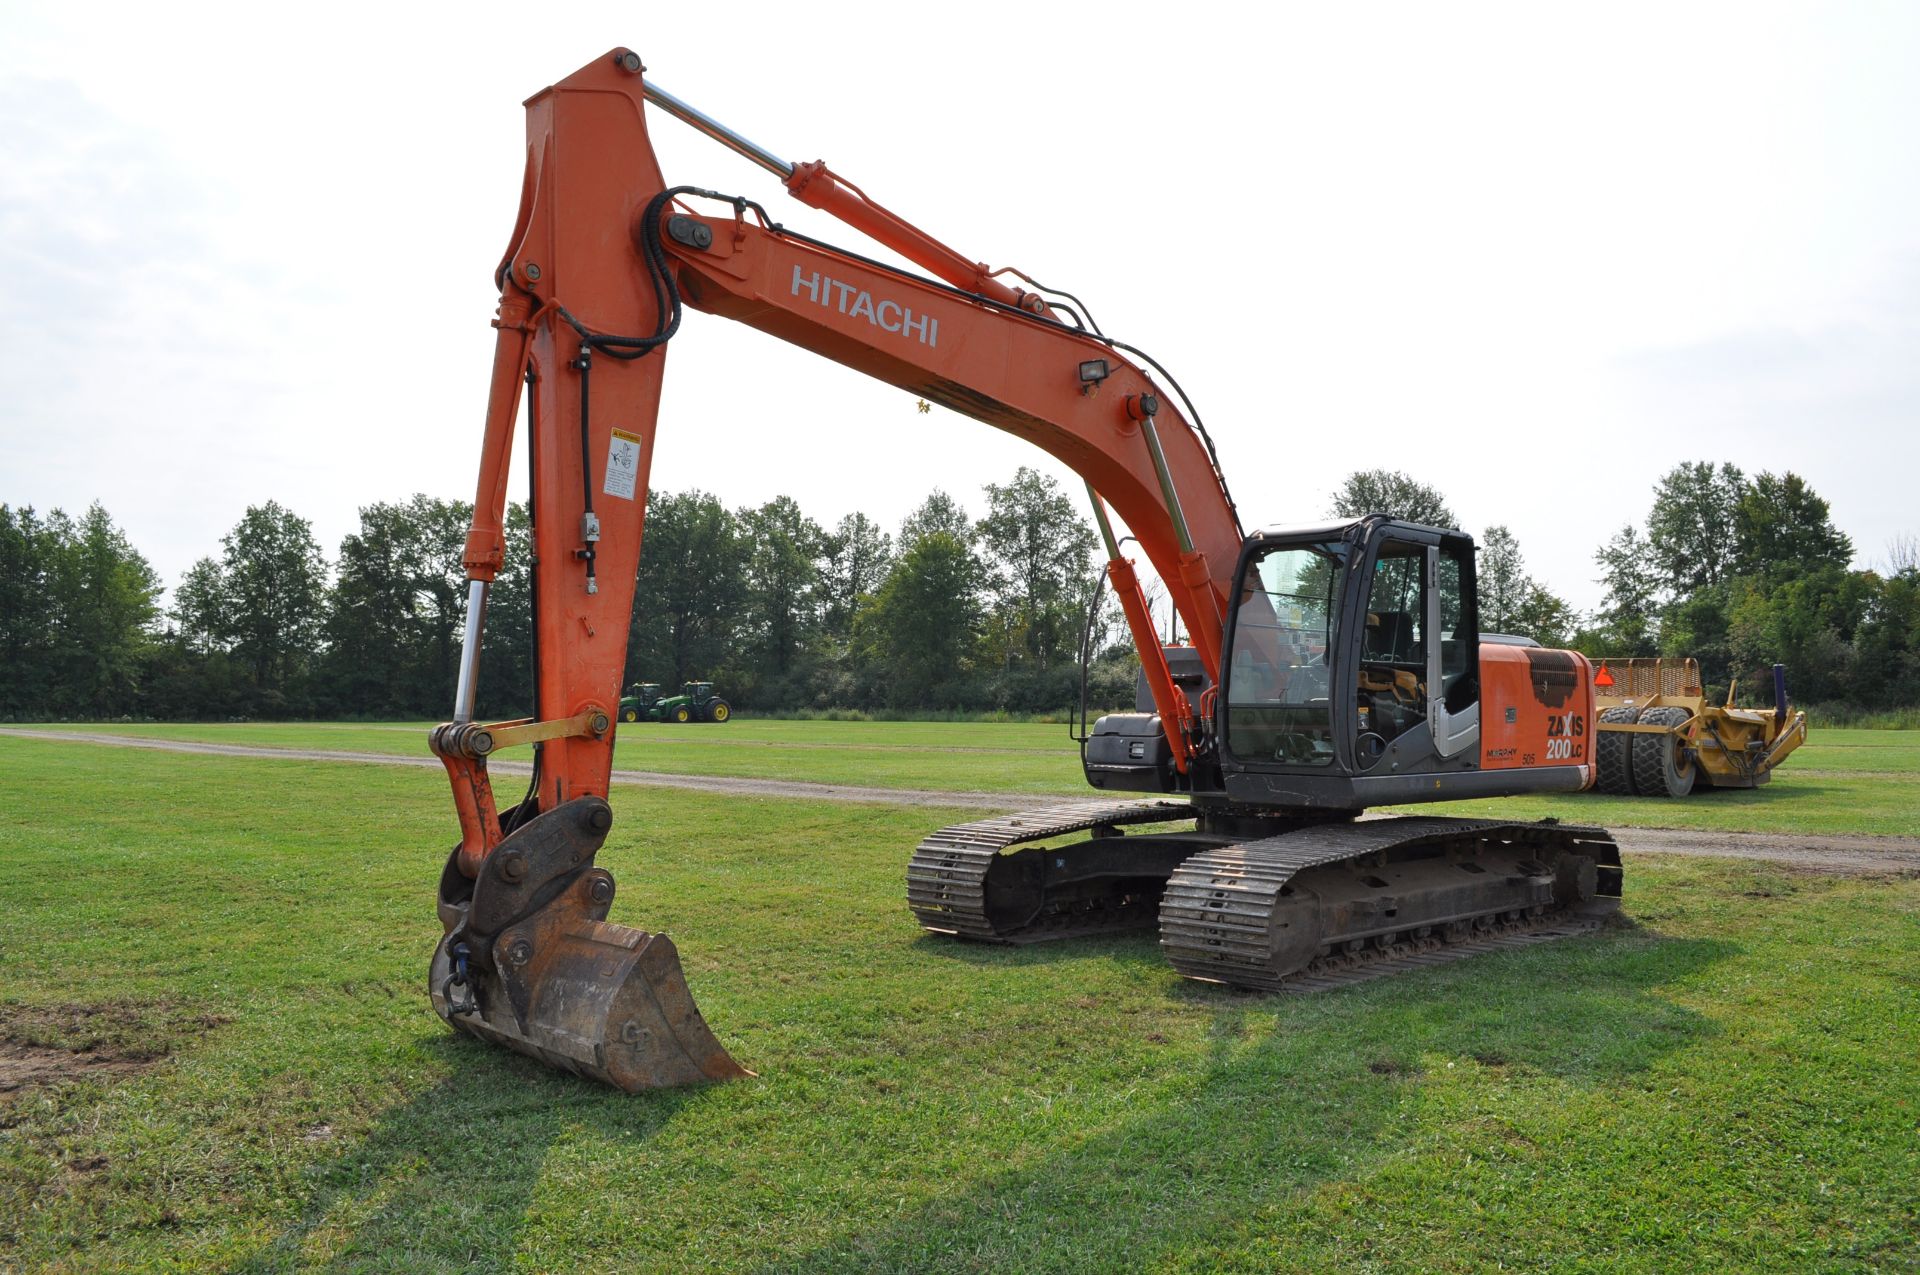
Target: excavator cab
1349, 661
1354, 676
1349, 666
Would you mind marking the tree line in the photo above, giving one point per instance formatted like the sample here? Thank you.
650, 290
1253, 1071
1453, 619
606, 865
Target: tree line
1739, 571
947, 612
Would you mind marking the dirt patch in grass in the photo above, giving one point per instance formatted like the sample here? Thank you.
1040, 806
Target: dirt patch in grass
46, 1044
30, 1066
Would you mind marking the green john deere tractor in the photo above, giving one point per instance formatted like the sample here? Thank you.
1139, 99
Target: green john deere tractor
696, 702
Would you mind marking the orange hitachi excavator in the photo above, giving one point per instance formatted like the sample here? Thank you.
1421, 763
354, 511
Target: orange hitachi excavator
1332, 667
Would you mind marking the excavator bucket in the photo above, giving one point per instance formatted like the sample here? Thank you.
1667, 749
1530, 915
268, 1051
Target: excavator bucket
529, 961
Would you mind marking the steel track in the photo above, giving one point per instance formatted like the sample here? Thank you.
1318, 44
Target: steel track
1218, 908
1331, 973
1218, 912
947, 876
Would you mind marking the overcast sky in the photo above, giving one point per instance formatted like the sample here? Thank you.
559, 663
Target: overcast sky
1532, 254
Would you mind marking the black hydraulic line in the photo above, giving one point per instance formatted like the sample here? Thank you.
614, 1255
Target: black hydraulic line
1062, 307
665, 291
589, 525
1193, 413
667, 295
741, 203
1084, 308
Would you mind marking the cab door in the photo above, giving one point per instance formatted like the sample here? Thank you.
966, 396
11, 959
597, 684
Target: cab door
1415, 646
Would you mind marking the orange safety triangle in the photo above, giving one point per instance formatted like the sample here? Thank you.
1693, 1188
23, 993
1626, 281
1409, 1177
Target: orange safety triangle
1603, 678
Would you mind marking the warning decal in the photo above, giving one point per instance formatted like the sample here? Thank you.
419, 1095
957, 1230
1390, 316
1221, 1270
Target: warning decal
623, 464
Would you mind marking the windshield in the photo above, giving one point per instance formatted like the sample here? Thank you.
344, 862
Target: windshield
1284, 630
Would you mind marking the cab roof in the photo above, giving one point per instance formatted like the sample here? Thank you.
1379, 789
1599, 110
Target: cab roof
1336, 530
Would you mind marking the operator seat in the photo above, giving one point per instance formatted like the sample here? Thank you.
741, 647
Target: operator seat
1390, 637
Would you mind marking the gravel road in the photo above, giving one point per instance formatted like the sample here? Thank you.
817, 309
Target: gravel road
1845, 855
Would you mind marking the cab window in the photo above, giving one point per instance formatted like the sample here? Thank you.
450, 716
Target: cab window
1285, 629
1396, 606
1391, 691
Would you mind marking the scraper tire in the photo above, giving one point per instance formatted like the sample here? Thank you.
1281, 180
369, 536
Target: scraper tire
1661, 766
1613, 753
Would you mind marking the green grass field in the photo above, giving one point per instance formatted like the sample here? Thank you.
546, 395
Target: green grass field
1729, 1081
1841, 782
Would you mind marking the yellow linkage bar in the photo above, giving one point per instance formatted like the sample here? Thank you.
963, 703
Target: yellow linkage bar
498, 735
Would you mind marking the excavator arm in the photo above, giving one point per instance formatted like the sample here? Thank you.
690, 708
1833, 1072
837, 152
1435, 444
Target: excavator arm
603, 259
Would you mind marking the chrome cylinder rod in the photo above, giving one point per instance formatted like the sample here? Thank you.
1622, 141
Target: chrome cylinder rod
1167, 491
1106, 527
704, 123
463, 695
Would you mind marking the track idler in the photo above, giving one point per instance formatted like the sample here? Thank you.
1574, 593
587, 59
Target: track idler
529, 961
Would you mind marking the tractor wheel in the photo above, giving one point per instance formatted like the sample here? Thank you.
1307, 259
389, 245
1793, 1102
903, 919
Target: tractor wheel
1613, 753
718, 711
1661, 764
682, 714
629, 714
